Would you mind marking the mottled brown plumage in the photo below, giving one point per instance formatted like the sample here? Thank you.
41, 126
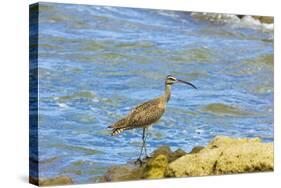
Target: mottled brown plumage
141, 116
147, 113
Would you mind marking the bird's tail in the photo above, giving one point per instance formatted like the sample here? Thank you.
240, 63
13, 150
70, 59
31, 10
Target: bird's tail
118, 127
117, 131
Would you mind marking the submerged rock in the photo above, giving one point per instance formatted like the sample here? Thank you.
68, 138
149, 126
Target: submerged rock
60, 180
224, 109
223, 155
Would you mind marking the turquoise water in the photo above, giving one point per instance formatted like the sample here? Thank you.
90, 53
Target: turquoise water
96, 63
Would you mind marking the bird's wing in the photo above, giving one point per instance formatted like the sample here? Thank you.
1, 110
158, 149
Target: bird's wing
123, 122
145, 114
142, 115
119, 124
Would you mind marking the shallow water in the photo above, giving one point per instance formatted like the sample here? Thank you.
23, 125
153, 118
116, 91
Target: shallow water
96, 63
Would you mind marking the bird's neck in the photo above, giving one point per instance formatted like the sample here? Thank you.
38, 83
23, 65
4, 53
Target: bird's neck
167, 94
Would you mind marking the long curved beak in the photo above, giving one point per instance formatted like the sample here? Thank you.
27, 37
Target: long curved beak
188, 83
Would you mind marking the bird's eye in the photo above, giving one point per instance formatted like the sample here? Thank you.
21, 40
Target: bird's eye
172, 78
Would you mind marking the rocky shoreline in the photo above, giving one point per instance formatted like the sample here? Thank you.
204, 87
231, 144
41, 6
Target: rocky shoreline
223, 155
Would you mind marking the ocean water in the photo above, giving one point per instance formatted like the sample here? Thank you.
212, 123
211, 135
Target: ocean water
96, 63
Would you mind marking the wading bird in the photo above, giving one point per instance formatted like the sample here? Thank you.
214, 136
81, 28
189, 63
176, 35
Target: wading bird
147, 114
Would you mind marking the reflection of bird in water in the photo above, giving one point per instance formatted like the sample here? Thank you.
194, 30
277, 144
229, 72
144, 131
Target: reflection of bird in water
146, 114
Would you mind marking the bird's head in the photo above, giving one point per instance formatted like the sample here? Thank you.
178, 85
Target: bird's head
170, 80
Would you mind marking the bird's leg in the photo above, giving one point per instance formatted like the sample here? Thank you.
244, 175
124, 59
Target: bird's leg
145, 152
143, 146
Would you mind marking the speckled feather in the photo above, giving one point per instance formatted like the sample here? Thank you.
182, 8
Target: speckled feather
141, 116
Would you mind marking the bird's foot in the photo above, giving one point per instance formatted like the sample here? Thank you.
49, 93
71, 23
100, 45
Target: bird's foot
139, 161
147, 157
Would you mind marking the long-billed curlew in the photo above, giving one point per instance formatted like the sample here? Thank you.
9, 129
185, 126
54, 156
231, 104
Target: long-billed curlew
147, 113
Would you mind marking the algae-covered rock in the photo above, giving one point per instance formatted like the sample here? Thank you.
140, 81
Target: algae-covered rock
198, 164
156, 167
225, 155
153, 167
60, 180
176, 154
224, 141
248, 157
164, 150
196, 149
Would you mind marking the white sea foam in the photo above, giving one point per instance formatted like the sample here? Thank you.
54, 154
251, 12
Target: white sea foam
95, 100
62, 105
169, 14
216, 17
244, 22
249, 21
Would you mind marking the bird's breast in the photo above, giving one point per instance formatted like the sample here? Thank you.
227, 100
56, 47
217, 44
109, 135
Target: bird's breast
162, 105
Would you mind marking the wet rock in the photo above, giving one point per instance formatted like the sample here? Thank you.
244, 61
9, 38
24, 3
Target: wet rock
229, 18
123, 173
225, 155
177, 154
156, 167
60, 180
245, 158
164, 150
240, 16
153, 167
198, 164
196, 149
224, 141
264, 19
